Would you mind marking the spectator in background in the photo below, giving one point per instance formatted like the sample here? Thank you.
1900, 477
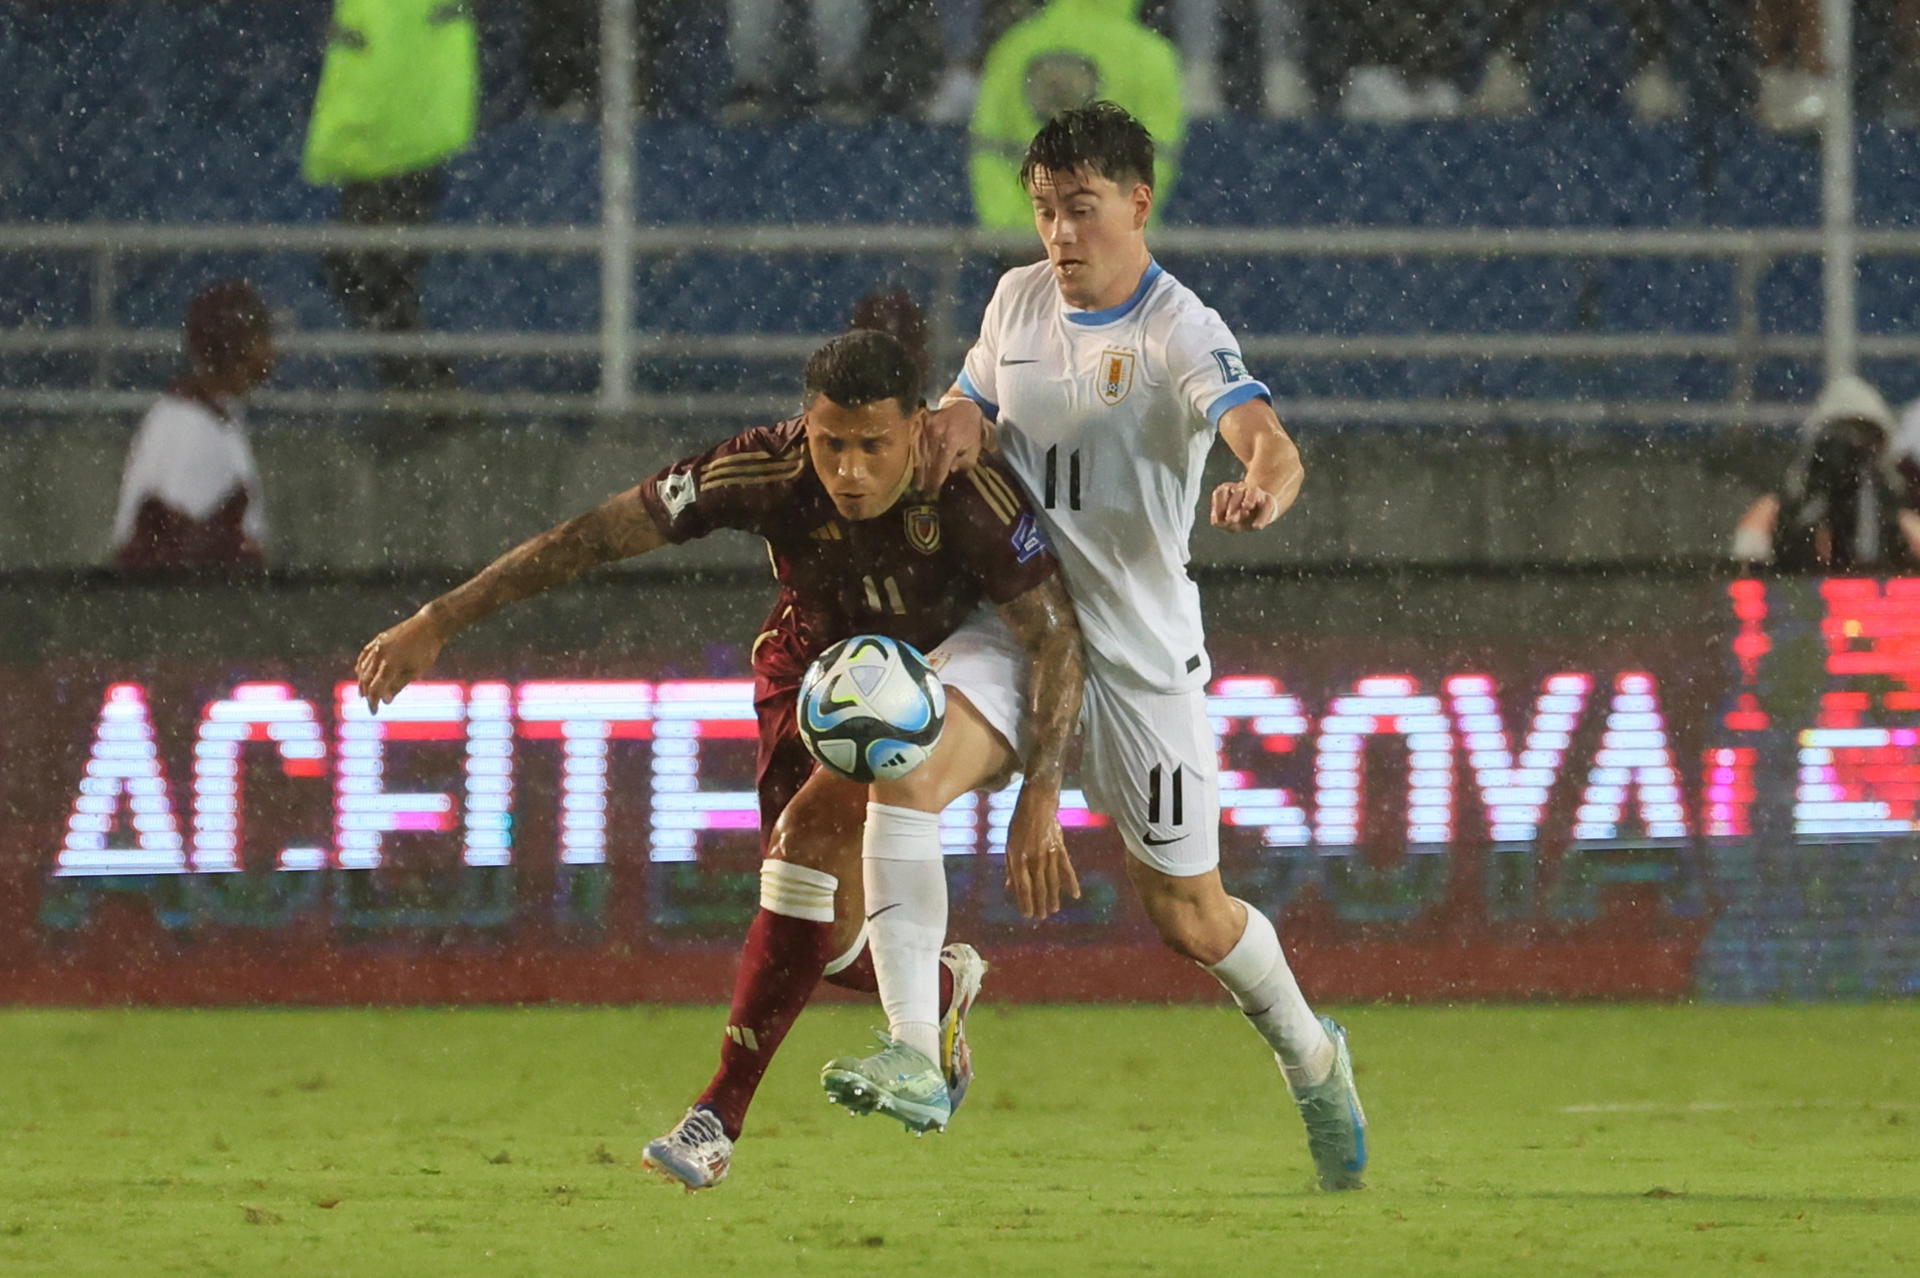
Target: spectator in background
1506, 86
562, 50
1899, 20
399, 93
1842, 507
190, 493
851, 59
895, 313
1905, 452
1388, 60
1793, 64
1067, 55
1242, 56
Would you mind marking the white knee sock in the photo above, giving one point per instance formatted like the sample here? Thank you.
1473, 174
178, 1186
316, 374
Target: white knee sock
906, 881
1255, 972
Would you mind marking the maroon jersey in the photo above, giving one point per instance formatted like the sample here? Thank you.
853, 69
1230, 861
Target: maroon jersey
914, 573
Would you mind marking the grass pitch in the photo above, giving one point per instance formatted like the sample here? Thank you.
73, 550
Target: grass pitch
1100, 1140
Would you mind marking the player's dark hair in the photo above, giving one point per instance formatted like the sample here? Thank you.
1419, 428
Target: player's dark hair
1100, 138
863, 367
220, 321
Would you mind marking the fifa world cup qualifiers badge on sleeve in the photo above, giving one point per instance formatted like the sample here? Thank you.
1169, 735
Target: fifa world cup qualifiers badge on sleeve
1027, 538
871, 708
677, 492
1232, 367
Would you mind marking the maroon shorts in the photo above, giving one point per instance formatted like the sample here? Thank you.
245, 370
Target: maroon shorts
783, 764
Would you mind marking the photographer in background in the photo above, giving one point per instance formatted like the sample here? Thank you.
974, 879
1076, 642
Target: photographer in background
190, 494
1843, 505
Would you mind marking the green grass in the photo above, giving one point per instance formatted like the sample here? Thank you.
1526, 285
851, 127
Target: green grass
1549, 1140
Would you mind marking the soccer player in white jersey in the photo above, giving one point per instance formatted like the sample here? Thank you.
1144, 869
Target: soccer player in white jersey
1101, 380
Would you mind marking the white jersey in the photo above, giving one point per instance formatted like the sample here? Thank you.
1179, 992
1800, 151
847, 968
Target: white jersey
1107, 416
193, 459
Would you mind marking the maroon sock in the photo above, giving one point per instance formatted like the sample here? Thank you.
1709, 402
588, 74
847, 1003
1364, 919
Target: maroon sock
858, 975
779, 967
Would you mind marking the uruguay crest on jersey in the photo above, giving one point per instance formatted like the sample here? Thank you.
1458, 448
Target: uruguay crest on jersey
1116, 375
1106, 417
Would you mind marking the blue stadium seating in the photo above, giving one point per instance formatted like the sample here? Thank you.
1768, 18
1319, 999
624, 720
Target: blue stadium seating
45, 290
1548, 172
1889, 295
185, 111
1665, 295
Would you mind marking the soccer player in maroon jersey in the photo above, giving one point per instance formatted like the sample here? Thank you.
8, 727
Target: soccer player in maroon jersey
962, 574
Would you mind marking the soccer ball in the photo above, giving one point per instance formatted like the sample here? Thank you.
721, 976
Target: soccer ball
871, 708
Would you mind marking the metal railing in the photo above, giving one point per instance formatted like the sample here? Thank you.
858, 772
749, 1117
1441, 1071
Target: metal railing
949, 252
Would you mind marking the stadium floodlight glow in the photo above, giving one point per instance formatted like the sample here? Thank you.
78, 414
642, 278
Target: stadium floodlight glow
687, 712
1515, 794
268, 712
1633, 755
364, 809
1385, 705
123, 765
586, 715
1259, 705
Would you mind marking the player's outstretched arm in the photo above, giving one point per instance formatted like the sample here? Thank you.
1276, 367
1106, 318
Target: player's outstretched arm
952, 439
1274, 472
618, 528
1038, 869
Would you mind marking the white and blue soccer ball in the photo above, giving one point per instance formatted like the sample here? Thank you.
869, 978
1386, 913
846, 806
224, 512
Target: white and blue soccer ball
871, 708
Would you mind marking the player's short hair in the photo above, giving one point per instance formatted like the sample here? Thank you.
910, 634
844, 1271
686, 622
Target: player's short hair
863, 367
220, 322
1099, 138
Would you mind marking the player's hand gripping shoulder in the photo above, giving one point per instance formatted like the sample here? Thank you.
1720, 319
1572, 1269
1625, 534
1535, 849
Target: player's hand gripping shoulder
618, 528
1274, 472
952, 439
1038, 868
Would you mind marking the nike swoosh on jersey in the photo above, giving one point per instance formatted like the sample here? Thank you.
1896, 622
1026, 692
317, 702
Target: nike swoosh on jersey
1005, 362
1152, 842
883, 909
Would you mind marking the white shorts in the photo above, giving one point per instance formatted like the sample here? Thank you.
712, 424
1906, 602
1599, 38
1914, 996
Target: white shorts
983, 660
1148, 763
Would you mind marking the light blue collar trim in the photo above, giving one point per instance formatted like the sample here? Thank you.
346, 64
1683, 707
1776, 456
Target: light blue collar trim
1113, 313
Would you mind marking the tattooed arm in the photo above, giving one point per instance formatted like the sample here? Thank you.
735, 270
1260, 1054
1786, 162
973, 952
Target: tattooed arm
618, 528
1038, 869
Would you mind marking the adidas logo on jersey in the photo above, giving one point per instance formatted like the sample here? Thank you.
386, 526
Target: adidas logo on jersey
828, 532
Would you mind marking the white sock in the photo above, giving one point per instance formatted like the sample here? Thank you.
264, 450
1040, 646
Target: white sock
1255, 972
906, 880
797, 891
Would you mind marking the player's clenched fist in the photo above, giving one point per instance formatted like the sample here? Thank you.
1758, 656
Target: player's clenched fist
396, 657
1241, 507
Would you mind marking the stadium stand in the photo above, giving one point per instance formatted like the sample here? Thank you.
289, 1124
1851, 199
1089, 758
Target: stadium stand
173, 112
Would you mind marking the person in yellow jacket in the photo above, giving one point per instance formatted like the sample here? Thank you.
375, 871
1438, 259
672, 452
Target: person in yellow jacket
1065, 56
399, 94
